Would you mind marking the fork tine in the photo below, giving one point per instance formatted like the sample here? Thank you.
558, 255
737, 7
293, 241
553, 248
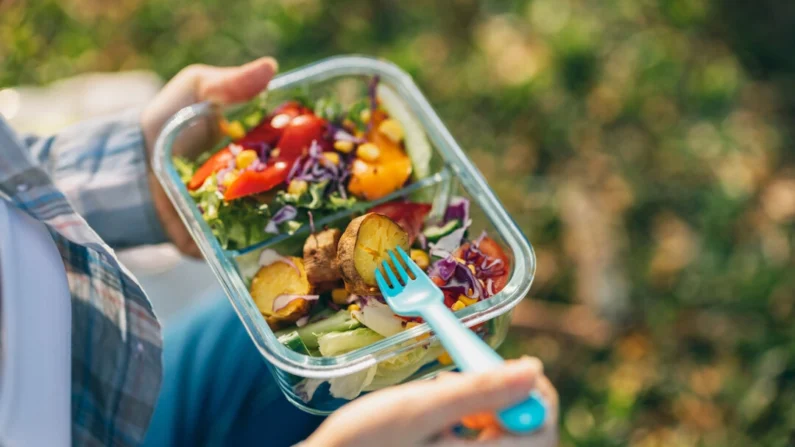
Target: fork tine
418, 272
404, 275
392, 278
379, 278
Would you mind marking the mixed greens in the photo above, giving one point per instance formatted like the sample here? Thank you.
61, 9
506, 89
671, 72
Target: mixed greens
282, 168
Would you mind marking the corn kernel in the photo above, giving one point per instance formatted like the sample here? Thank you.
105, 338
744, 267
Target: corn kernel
354, 308
458, 305
333, 157
459, 260
343, 146
420, 258
368, 152
445, 359
275, 153
391, 128
297, 187
472, 269
245, 158
364, 115
467, 300
230, 177
339, 296
348, 124
233, 130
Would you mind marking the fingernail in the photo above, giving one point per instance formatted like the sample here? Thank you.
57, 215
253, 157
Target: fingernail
535, 363
523, 371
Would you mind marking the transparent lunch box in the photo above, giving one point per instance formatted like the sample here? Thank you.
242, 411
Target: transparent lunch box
309, 381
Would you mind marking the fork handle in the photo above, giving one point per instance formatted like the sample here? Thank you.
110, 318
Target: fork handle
471, 354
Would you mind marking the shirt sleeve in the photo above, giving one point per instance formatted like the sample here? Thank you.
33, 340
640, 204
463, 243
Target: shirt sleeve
101, 167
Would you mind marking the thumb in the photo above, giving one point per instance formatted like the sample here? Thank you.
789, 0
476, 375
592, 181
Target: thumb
228, 85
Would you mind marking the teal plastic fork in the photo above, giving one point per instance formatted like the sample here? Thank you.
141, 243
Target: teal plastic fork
420, 297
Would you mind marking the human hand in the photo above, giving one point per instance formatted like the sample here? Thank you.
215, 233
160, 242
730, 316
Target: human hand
421, 413
197, 83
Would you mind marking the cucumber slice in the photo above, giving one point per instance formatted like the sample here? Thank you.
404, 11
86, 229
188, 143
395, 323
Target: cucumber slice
435, 232
293, 341
339, 322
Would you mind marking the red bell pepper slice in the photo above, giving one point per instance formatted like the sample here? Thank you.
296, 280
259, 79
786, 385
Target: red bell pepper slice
253, 182
218, 161
271, 129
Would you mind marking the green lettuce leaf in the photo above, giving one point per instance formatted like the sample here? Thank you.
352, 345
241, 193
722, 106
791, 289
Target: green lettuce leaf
336, 343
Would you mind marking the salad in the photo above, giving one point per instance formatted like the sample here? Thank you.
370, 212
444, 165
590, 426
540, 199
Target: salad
325, 302
279, 169
283, 168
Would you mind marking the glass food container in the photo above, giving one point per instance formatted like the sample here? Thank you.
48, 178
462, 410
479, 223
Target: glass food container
320, 385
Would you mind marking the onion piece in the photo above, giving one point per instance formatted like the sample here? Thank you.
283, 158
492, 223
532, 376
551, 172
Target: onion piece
235, 149
270, 256
282, 301
301, 322
287, 212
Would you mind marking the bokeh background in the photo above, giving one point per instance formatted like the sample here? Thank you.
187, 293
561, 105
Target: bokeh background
644, 146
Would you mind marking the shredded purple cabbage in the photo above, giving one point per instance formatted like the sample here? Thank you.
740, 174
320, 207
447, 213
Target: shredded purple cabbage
464, 278
485, 266
457, 209
457, 277
314, 168
286, 213
443, 268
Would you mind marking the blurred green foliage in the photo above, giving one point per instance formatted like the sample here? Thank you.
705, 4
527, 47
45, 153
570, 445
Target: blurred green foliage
643, 146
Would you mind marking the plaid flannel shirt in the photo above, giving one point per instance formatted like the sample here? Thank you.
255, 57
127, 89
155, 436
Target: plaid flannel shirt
88, 185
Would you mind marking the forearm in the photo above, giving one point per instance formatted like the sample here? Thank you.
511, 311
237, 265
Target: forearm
101, 166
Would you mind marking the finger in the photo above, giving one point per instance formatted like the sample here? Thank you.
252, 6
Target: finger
550, 397
235, 84
460, 395
445, 374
